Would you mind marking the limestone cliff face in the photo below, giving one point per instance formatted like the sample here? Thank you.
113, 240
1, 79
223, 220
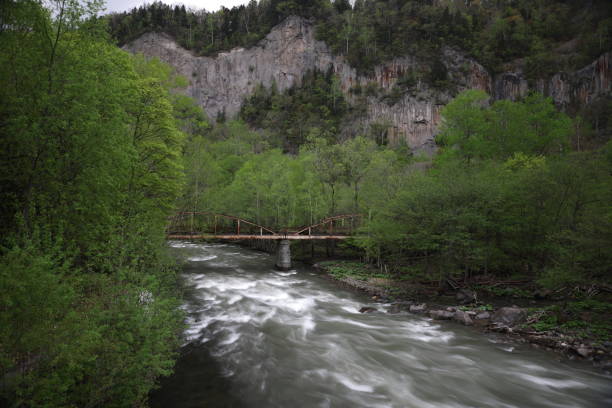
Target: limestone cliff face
290, 50
566, 89
221, 83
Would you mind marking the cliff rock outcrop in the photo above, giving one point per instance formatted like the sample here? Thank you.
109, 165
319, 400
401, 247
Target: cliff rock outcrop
566, 89
220, 84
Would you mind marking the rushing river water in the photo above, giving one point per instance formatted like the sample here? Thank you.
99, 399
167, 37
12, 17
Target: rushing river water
261, 338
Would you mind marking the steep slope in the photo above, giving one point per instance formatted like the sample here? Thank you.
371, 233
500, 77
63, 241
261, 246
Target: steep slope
412, 115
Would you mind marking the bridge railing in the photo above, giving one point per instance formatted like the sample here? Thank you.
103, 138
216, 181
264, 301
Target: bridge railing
201, 223
345, 224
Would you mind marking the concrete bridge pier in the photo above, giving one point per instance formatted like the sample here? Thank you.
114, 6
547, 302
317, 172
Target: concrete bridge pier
283, 255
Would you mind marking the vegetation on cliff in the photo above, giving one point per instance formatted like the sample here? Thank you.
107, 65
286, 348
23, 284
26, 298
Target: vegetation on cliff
90, 166
290, 116
545, 36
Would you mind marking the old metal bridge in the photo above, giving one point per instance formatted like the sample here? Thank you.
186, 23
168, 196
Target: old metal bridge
207, 225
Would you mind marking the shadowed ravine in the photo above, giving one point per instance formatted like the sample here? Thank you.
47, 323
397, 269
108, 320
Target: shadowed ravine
261, 338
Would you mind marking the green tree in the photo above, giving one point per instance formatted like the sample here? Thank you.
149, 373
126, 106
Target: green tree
533, 126
464, 124
355, 155
327, 164
87, 306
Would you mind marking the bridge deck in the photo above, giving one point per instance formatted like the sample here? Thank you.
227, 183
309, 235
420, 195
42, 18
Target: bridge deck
270, 237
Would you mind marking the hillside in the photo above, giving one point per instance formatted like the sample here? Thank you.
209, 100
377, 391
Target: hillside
542, 36
393, 98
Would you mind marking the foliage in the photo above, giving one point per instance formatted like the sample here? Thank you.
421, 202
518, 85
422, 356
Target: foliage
507, 198
356, 270
374, 31
471, 129
91, 165
292, 115
233, 169
482, 308
505, 195
589, 319
210, 32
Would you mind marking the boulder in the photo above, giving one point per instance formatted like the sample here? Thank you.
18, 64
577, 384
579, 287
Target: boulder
463, 318
441, 314
418, 308
481, 322
399, 307
584, 351
367, 310
465, 296
394, 309
508, 316
483, 315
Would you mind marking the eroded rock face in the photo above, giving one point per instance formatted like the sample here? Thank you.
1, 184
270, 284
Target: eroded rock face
287, 53
220, 84
566, 89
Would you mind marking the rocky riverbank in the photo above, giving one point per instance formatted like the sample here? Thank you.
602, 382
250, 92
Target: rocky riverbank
537, 325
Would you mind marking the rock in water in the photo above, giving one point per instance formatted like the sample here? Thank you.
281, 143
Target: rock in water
367, 310
398, 307
483, 315
441, 314
584, 351
418, 308
463, 318
509, 316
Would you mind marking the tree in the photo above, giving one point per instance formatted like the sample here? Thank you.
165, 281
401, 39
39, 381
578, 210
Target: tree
355, 156
327, 164
473, 130
90, 168
464, 124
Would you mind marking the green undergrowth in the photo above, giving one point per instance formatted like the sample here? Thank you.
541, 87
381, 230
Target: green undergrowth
481, 308
583, 319
352, 269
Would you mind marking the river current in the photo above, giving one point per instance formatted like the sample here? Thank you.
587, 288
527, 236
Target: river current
261, 338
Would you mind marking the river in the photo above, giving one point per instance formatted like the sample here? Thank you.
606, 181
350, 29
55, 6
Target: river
261, 338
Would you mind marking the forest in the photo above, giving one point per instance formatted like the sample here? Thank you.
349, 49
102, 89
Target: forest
546, 36
506, 194
99, 147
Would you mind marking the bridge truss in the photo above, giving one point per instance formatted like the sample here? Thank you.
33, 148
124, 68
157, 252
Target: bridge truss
208, 225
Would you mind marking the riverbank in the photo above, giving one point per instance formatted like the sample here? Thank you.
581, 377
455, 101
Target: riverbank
578, 328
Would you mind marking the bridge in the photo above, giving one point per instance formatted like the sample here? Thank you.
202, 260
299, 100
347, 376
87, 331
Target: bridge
208, 225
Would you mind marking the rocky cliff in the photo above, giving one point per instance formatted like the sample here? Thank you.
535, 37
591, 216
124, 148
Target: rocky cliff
220, 84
